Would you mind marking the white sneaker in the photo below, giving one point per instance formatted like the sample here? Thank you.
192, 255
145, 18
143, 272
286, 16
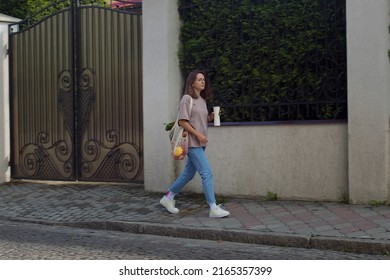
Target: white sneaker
169, 204
218, 212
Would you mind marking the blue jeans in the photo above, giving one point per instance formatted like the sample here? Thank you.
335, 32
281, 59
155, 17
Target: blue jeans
196, 161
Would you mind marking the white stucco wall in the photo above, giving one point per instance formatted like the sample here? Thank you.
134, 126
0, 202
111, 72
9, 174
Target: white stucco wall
4, 99
368, 41
294, 161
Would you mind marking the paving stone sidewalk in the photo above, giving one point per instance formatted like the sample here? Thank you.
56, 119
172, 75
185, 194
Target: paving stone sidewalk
128, 207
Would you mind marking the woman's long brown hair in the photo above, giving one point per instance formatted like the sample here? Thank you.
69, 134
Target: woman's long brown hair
206, 93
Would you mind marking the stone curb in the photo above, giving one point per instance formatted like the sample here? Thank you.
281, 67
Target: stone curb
199, 233
358, 245
355, 245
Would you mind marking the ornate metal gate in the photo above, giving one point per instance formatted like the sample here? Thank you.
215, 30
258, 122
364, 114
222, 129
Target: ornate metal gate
76, 95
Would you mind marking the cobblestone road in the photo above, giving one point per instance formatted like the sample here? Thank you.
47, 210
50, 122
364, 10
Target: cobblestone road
24, 241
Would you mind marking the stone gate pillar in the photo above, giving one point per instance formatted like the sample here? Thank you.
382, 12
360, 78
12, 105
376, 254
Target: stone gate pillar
161, 89
368, 42
4, 99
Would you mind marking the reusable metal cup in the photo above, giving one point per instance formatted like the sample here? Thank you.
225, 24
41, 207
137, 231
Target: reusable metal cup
217, 120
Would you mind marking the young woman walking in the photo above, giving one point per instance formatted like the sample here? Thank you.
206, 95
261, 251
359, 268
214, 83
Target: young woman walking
196, 124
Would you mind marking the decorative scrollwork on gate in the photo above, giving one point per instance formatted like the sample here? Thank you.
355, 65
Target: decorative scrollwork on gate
42, 160
106, 159
111, 161
49, 157
65, 99
86, 98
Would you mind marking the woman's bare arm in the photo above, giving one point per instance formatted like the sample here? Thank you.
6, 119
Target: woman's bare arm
186, 125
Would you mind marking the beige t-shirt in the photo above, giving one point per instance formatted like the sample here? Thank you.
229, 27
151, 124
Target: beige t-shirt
197, 117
